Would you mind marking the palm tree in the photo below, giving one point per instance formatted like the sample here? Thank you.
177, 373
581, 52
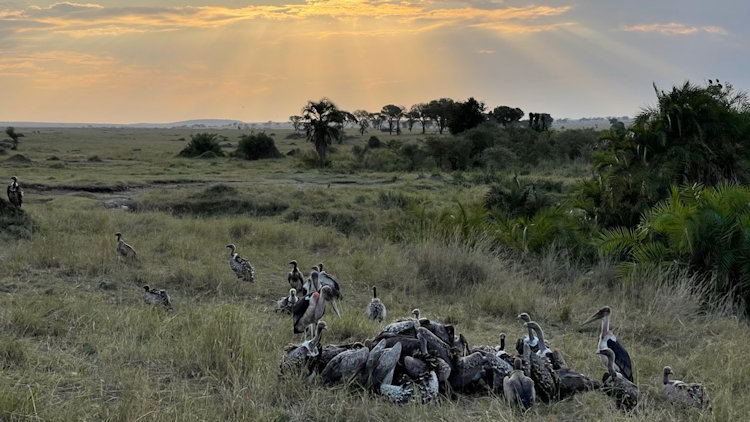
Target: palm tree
323, 123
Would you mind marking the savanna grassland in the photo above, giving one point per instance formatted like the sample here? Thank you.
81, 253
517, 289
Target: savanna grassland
77, 342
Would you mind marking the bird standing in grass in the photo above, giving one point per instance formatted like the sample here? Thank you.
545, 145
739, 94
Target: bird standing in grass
518, 388
616, 384
328, 280
295, 277
376, 309
309, 310
157, 297
286, 304
124, 249
683, 394
607, 340
297, 357
15, 193
240, 265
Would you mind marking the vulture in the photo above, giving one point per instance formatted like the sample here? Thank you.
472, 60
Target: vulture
518, 388
15, 193
532, 341
404, 325
571, 382
685, 394
240, 265
345, 366
286, 304
124, 249
298, 357
295, 277
616, 384
376, 309
157, 297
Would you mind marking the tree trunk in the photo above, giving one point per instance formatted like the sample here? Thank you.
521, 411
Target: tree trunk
322, 155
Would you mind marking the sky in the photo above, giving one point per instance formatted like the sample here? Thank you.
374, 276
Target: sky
129, 61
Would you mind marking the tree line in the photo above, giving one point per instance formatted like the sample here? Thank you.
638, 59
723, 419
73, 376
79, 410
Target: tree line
322, 121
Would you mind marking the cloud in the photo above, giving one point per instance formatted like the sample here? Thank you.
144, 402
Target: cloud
511, 28
87, 19
674, 28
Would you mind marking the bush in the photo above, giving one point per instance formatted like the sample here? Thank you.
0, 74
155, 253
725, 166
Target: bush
374, 142
201, 143
256, 147
14, 222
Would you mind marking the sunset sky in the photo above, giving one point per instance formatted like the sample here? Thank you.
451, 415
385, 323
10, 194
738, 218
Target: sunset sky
128, 61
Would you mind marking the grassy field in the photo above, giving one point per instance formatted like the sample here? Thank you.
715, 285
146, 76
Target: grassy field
78, 343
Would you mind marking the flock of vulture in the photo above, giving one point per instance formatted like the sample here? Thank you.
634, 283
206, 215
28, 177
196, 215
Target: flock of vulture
419, 360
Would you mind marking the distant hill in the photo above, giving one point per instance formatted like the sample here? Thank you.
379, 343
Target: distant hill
559, 124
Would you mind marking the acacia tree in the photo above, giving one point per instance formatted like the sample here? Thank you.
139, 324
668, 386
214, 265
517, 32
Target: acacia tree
323, 123
363, 119
296, 123
506, 115
376, 120
393, 114
439, 111
418, 111
464, 116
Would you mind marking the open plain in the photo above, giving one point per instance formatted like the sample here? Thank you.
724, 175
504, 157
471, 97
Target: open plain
77, 342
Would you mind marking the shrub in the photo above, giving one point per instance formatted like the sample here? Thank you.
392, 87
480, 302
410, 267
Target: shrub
374, 142
14, 222
201, 143
516, 200
257, 146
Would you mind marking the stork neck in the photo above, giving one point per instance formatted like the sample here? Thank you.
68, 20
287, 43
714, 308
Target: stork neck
502, 343
374, 292
320, 307
605, 326
666, 377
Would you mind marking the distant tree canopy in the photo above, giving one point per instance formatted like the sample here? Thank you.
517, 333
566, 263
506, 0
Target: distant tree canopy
201, 143
439, 111
323, 123
465, 116
540, 121
363, 120
506, 115
296, 122
393, 113
419, 112
256, 146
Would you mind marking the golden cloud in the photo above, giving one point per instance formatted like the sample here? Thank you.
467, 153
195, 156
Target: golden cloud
87, 19
674, 28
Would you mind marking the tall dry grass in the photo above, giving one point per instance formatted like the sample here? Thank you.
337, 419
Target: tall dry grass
78, 343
